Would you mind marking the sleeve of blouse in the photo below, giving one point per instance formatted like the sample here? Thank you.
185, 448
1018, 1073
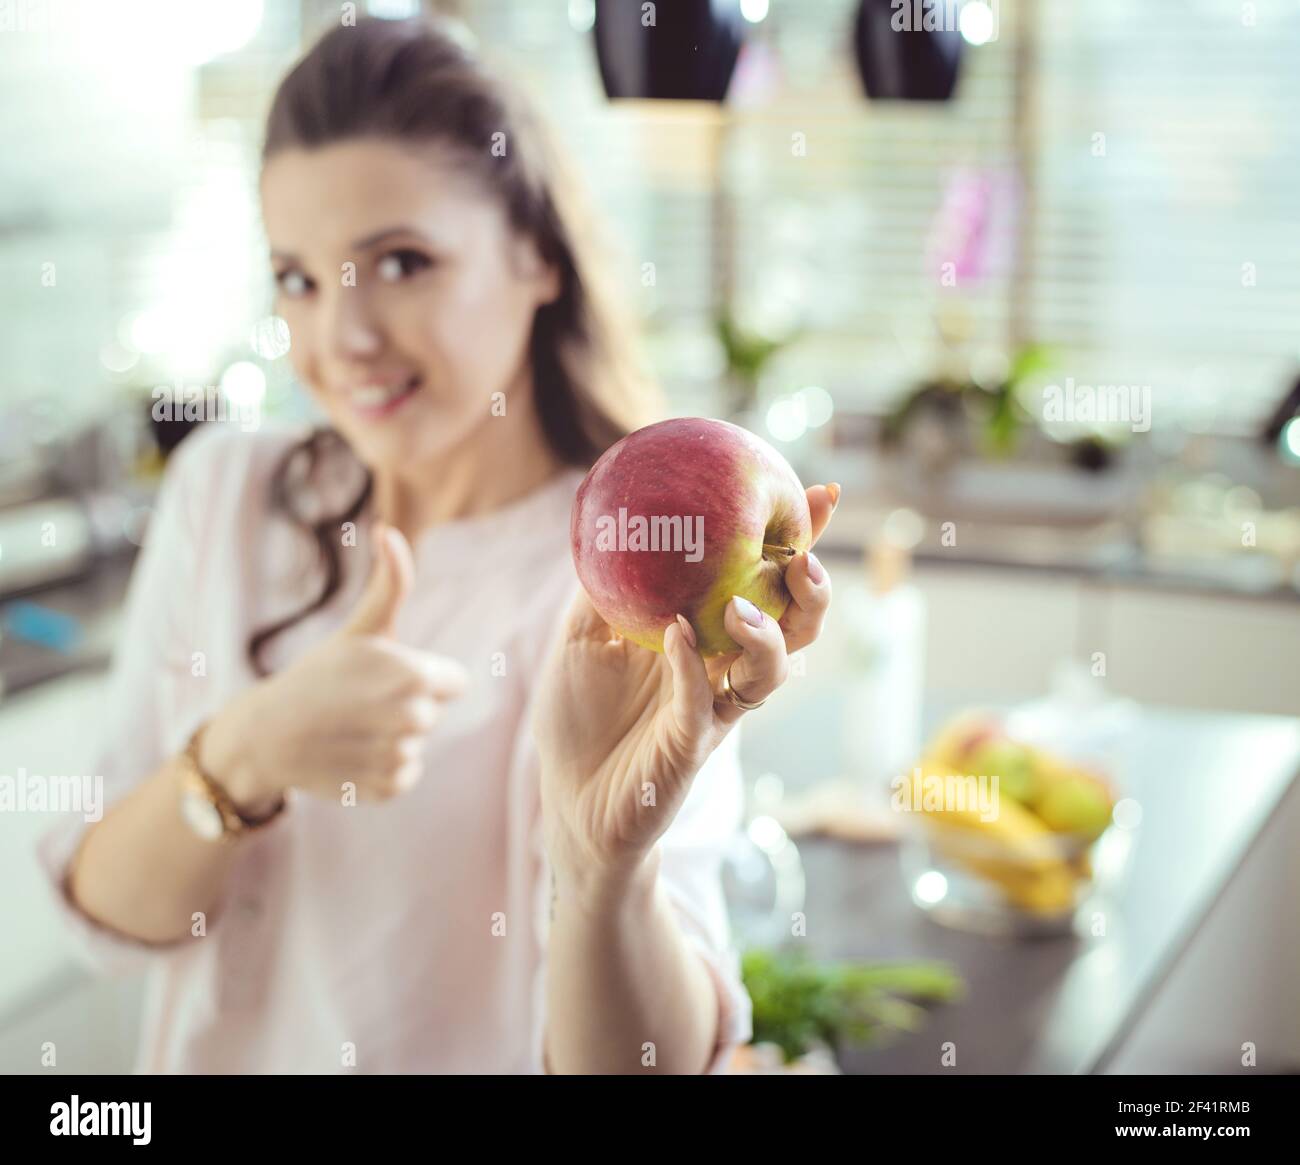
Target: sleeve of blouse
692, 850
151, 655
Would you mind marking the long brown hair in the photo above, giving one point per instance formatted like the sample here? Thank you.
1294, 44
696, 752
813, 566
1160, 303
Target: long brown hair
415, 81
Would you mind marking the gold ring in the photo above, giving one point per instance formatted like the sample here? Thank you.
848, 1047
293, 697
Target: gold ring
733, 696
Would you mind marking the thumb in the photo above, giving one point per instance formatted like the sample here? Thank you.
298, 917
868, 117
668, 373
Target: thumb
391, 579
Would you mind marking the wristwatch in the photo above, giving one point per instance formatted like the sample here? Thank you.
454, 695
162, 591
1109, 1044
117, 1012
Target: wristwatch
207, 808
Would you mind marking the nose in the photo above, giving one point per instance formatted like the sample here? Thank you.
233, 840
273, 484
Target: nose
350, 330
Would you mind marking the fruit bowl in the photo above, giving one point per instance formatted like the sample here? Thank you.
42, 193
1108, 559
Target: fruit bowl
976, 883
1006, 837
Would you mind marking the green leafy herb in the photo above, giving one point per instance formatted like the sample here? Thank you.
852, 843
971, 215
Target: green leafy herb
799, 1002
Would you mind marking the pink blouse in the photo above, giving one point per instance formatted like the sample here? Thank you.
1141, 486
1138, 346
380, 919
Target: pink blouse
402, 937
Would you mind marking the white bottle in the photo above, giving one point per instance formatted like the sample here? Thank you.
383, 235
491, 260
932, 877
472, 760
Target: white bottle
884, 620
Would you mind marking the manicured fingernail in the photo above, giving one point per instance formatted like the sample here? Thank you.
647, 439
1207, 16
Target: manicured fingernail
687, 629
747, 611
834, 490
816, 571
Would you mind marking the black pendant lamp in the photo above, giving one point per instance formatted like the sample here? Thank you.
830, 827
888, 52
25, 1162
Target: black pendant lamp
899, 58
675, 50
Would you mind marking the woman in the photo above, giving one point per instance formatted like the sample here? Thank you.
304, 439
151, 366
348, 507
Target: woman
374, 765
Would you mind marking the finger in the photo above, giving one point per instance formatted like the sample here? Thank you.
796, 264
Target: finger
762, 666
822, 500
396, 763
414, 716
412, 767
410, 749
809, 585
408, 776
391, 579
428, 674
692, 691
398, 780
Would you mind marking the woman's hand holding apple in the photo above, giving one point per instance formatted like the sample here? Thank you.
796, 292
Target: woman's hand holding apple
358, 708
622, 730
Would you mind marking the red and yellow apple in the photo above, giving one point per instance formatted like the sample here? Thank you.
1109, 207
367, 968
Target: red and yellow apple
678, 517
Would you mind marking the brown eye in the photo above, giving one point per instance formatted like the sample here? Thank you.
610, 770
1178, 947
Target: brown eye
293, 282
401, 264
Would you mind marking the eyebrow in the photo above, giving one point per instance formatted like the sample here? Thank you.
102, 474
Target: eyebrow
372, 240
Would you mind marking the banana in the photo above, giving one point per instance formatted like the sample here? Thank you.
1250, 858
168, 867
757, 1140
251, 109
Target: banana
1013, 834
1046, 887
1013, 849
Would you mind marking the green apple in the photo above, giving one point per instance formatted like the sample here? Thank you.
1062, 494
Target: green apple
1010, 763
1077, 806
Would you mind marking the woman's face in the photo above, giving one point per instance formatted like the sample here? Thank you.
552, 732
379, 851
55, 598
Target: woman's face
409, 300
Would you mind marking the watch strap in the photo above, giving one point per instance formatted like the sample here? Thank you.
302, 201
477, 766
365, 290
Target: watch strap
234, 820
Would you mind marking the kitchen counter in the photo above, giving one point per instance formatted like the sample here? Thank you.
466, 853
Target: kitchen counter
1208, 786
1154, 521
1106, 554
91, 603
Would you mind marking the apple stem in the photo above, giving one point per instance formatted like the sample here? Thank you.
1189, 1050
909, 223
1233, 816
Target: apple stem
775, 551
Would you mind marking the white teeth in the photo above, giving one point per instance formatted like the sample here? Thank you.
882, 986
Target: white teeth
373, 395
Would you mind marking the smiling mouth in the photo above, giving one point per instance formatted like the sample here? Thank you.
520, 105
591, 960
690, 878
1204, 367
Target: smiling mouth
376, 400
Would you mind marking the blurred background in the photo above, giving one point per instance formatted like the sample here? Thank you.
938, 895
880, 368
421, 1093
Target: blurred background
1022, 275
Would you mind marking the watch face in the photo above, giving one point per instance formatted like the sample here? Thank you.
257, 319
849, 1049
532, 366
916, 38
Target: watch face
202, 816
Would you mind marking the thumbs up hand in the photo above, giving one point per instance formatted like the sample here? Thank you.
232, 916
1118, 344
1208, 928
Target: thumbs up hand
356, 709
